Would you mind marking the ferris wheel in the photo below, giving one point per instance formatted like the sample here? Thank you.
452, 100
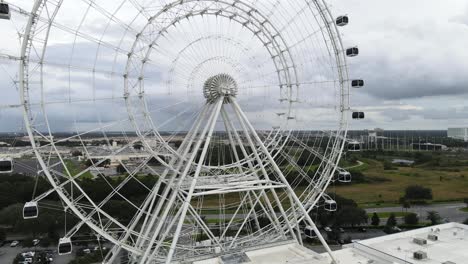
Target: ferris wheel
230, 115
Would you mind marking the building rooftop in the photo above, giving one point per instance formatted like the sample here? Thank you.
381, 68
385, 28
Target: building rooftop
442, 244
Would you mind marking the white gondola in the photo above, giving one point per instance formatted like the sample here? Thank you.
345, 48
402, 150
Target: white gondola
6, 165
310, 232
64, 246
352, 52
330, 206
357, 83
342, 21
5, 11
359, 115
354, 146
30, 210
344, 176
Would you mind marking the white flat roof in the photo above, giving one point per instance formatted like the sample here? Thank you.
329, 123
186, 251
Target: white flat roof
452, 245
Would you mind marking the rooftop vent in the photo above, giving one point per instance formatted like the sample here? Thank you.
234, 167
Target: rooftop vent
420, 255
432, 237
420, 241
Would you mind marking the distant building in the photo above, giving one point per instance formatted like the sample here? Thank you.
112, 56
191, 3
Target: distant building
428, 146
403, 162
458, 133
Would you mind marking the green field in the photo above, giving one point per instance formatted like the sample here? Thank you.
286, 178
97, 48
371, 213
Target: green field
74, 168
464, 209
387, 214
448, 183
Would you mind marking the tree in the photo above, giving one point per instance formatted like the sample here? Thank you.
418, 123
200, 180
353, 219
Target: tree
375, 220
466, 202
406, 205
351, 216
121, 169
417, 192
2, 235
466, 222
76, 153
411, 219
391, 221
334, 235
434, 217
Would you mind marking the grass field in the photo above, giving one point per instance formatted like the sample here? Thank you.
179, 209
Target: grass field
464, 209
387, 214
447, 184
75, 168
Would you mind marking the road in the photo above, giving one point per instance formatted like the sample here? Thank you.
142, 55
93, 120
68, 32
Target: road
450, 212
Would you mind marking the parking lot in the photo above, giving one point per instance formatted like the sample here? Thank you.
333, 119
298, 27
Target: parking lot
8, 254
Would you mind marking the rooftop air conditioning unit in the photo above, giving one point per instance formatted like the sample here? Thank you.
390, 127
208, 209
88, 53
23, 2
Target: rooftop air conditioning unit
420, 241
420, 255
449, 262
432, 237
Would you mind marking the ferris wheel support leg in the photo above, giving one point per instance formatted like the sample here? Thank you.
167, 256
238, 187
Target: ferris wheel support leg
236, 156
280, 174
212, 126
174, 195
148, 226
272, 216
240, 116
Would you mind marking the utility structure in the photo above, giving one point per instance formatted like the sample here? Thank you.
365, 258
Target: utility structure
239, 102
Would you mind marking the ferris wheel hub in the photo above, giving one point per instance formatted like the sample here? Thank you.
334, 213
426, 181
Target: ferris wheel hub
218, 86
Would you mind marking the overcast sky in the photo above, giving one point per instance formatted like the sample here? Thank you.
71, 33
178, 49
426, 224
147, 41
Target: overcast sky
413, 56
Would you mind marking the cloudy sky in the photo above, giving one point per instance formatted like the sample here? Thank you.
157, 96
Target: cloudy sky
413, 56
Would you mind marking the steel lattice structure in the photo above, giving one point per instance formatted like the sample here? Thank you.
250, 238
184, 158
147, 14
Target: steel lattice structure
256, 95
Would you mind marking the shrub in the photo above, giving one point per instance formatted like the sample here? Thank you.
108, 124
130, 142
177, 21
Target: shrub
411, 219
417, 192
375, 220
391, 221
434, 217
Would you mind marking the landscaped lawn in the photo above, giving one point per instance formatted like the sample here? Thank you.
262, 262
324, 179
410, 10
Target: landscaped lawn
453, 186
75, 168
387, 214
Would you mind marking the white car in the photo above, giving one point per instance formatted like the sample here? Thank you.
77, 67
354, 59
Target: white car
36, 242
14, 243
29, 254
327, 229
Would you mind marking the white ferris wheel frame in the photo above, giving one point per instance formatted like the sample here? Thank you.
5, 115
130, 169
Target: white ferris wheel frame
284, 72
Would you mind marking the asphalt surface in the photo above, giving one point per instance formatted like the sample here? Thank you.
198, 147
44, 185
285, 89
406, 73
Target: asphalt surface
448, 212
8, 254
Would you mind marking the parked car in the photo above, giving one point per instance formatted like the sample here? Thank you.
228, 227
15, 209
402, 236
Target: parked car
341, 230
14, 243
327, 229
29, 254
36, 242
362, 229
